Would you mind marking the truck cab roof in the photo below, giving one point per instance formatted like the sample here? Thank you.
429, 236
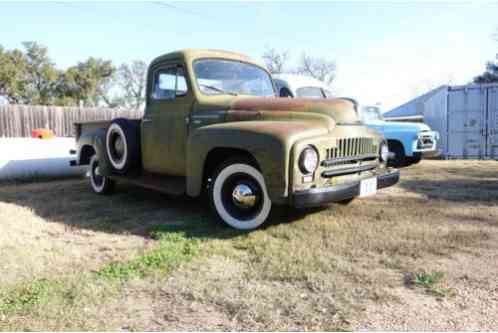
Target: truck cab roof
190, 55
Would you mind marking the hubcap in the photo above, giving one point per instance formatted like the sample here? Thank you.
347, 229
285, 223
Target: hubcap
243, 196
119, 147
97, 178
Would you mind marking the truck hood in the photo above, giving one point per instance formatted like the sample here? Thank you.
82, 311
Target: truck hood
293, 119
341, 111
399, 126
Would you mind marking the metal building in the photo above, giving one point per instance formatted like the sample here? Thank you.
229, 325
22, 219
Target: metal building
466, 117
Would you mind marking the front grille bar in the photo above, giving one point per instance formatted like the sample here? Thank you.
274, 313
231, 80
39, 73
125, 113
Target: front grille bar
348, 159
348, 170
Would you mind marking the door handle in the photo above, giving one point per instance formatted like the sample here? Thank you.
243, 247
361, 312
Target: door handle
146, 120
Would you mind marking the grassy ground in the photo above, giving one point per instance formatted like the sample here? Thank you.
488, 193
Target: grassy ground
421, 255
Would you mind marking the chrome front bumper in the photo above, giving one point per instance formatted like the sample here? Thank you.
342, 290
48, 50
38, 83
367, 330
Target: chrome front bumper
316, 197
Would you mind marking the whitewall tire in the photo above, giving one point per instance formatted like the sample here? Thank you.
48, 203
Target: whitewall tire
122, 145
117, 159
239, 197
100, 183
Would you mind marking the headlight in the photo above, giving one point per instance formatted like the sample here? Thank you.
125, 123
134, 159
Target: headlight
308, 160
384, 152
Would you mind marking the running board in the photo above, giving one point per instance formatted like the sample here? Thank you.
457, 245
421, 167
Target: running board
173, 185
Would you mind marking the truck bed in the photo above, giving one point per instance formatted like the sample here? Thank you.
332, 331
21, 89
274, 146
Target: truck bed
91, 126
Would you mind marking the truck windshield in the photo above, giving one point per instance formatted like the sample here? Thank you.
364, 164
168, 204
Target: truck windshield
369, 113
228, 77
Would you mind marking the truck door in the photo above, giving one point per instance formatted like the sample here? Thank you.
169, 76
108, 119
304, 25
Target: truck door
164, 126
466, 121
492, 123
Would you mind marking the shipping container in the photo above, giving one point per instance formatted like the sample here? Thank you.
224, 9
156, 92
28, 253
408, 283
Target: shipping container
466, 118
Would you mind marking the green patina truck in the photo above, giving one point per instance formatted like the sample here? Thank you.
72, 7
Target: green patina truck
213, 125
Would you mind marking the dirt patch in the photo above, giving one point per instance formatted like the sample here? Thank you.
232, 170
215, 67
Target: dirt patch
471, 304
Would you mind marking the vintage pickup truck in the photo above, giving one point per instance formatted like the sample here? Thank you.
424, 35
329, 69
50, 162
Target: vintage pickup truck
408, 141
213, 125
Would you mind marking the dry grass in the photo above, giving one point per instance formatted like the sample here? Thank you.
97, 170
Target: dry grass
344, 267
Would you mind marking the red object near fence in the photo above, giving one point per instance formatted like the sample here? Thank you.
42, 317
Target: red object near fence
42, 133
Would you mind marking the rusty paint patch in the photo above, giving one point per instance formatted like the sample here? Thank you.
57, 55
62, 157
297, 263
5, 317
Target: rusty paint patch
242, 115
287, 104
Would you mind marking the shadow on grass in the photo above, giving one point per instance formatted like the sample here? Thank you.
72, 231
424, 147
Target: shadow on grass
131, 210
455, 190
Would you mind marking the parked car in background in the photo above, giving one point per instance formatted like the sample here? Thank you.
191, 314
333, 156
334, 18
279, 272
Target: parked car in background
213, 125
409, 142
293, 85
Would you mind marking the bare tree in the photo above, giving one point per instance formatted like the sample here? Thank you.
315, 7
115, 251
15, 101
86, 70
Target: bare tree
131, 78
319, 68
275, 61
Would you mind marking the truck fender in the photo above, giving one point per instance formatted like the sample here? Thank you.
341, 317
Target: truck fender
94, 143
270, 152
405, 138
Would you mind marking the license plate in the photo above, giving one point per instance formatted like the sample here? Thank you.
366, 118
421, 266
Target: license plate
368, 187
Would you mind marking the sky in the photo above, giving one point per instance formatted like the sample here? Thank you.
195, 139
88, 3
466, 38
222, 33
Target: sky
385, 52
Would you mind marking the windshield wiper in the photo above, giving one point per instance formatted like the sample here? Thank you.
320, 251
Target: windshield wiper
218, 89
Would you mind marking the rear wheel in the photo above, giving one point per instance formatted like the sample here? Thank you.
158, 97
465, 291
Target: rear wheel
100, 183
238, 195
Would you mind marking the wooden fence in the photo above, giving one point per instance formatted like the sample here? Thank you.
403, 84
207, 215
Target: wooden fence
19, 120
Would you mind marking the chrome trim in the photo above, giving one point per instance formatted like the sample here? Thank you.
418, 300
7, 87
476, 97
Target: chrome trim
243, 196
341, 160
206, 116
348, 170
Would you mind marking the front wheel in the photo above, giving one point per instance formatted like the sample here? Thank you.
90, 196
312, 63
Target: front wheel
416, 158
238, 195
100, 184
345, 201
399, 158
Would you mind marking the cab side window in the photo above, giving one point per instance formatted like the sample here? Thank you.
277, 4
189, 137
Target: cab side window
169, 83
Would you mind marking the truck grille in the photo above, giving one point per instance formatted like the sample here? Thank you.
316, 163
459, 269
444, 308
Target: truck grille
350, 147
349, 156
425, 142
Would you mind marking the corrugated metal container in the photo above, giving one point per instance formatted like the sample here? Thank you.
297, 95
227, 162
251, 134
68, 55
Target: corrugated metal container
465, 116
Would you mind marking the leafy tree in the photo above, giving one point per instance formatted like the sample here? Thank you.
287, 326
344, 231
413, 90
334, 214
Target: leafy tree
131, 79
275, 61
13, 76
29, 76
489, 76
318, 68
88, 82
42, 75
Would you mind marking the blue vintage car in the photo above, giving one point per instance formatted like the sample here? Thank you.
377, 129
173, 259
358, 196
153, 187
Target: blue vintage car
408, 141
